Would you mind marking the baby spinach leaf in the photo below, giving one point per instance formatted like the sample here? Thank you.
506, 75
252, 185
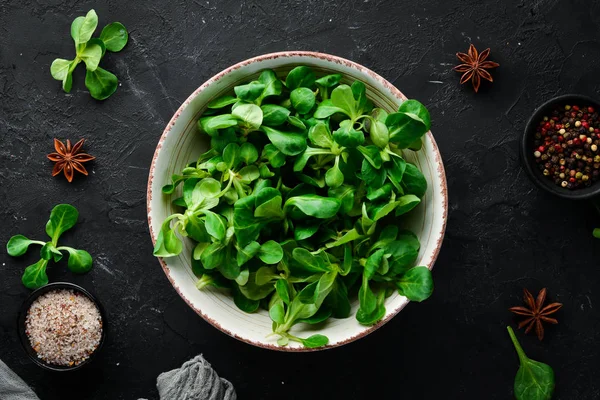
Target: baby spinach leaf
315, 341
231, 155
408, 125
83, 28
338, 300
380, 193
300, 76
329, 81
379, 134
221, 102
243, 303
334, 176
303, 99
274, 115
416, 111
327, 108
246, 253
314, 206
250, 91
253, 291
347, 136
248, 153
210, 125
403, 252
62, 218
265, 275
250, 114
321, 315
97, 42
372, 155
319, 135
296, 122
305, 230
274, 156
277, 312
35, 276
324, 287
18, 245
91, 55
342, 97
167, 242
101, 83
288, 143
80, 261
216, 226
345, 194
213, 256
247, 227
372, 176
308, 261
416, 284
366, 297
61, 70
348, 237
49, 252
283, 291
372, 263
395, 171
270, 252
359, 92
243, 277
378, 313
273, 85
114, 36
534, 380
406, 203
413, 181
306, 155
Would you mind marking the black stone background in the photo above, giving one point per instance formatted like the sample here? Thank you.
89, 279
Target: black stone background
503, 234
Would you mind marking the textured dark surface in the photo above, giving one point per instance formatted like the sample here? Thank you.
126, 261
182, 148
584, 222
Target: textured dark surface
503, 234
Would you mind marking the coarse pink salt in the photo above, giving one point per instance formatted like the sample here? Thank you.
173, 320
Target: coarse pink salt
64, 327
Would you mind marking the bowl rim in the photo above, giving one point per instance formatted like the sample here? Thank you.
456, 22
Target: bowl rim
527, 160
25, 340
308, 54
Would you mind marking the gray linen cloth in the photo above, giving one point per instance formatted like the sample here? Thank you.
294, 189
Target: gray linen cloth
195, 380
12, 387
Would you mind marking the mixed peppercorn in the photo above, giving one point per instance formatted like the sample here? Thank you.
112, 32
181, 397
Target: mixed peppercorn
566, 146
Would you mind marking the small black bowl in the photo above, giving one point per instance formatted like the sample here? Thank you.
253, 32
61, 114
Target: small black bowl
527, 148
25, 340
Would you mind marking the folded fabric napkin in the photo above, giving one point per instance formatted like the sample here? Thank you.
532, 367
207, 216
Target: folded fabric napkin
195, 380
12, 387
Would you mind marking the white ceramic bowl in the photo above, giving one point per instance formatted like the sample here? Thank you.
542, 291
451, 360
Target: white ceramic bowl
181, 143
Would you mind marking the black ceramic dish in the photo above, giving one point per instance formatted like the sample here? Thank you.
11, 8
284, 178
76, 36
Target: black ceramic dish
526, 150
25, 340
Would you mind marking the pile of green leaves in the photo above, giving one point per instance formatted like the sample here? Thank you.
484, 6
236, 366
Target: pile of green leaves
100, 82
296, 206
62, 218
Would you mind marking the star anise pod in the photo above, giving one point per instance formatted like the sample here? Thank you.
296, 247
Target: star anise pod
474, 66
536, 312
69, 159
